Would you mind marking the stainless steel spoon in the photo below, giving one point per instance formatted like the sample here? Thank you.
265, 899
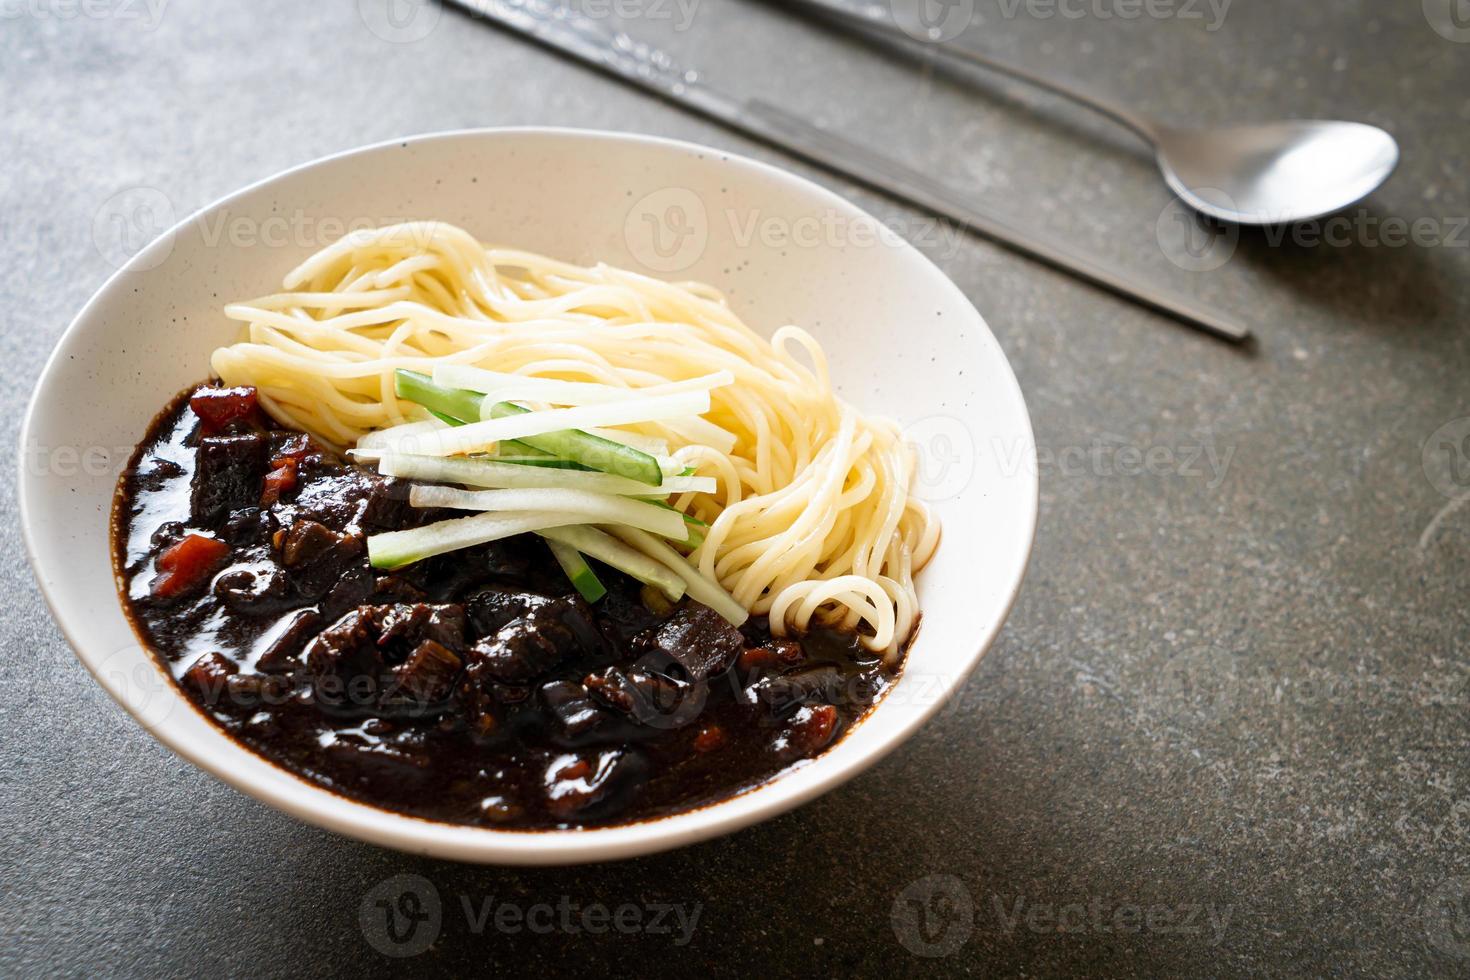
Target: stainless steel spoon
1263, 174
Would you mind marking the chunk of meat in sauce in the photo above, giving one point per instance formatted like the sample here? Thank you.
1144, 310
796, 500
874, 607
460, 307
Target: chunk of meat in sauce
537, 641
350, 499
227, 477
648, 697
209, 675
695, 637
392, 659
492, 608
810, 730
254, 590
427, 675
576, 784
317, 556
284, 651
574, 711
803, 685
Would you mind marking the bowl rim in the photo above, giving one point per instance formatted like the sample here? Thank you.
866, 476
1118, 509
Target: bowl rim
418, 835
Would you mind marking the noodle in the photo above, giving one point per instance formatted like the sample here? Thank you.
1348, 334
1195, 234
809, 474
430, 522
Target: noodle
814, 520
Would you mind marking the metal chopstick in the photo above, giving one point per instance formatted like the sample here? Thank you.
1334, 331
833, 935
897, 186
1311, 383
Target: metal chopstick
620, 55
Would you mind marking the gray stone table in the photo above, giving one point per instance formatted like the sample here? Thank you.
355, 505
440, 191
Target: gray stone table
1224, 732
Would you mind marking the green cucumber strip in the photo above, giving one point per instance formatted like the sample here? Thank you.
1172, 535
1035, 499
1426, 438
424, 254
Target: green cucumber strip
696, 527
514, 447
610, 551
545, 462
583, 577
460, 405
525, 454
589, 450
688, 518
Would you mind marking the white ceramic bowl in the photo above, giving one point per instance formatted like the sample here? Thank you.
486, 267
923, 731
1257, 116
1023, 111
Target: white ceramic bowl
784, 250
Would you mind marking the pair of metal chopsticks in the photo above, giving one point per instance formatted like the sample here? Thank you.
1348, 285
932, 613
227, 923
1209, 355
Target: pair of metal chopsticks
562, 29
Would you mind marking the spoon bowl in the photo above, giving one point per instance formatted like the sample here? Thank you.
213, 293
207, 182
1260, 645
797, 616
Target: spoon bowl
1264, 174
1275, 173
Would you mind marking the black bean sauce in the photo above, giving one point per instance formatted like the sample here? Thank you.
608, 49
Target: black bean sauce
475, 687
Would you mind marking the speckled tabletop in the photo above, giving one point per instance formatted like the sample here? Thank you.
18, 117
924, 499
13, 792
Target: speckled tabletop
1225, 730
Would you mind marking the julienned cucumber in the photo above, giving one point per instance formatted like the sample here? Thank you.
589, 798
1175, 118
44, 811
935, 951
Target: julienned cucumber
514, 447
458, 405
515, 451
589, 450
525, 454
610, 551
583, 577
545, 462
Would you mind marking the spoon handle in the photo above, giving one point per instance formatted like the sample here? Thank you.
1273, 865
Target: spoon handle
877, 18
862, 164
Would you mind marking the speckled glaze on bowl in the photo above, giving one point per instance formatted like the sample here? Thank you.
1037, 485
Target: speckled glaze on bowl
897, 331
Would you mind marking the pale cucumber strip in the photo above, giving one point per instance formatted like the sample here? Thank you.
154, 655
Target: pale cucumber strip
481, 435
705, 590
494, 474
640, 442
610, 551
512, 387
585, 506
382, 438
394, 549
